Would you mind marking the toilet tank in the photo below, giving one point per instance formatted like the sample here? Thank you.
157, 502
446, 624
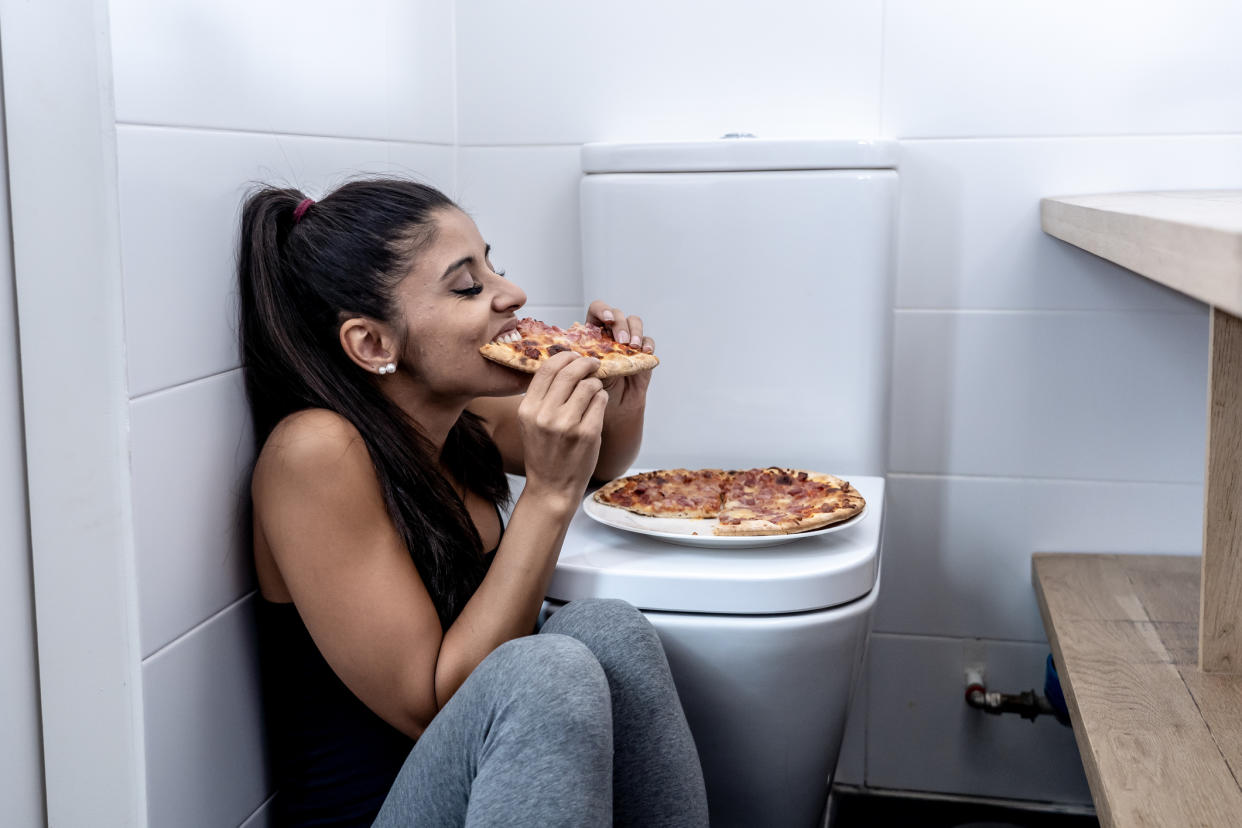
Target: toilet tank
764, 271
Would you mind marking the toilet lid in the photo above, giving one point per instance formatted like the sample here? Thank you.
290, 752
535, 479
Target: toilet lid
807, 574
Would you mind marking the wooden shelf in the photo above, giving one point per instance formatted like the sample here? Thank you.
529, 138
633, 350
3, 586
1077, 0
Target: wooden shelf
1161, 741
1190, 241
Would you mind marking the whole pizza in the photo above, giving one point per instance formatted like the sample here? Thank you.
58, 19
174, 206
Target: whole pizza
771, 501
530, 343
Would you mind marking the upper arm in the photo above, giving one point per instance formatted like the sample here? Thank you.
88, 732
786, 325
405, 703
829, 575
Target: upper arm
499, 415
319, 506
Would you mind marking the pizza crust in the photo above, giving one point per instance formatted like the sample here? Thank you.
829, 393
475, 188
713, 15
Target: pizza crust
791, 526
623, 365
507, 356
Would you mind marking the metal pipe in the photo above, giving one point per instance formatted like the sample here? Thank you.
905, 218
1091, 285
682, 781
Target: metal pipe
1027, 704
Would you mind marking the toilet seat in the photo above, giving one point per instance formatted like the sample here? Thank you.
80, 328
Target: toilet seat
808, 574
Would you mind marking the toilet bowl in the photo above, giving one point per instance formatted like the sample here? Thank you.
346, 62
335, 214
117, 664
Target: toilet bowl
763, 269
766, 646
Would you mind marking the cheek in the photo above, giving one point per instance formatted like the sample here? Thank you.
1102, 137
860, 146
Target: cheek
445, 354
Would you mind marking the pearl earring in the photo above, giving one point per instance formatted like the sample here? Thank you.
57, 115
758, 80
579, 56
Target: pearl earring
387, 369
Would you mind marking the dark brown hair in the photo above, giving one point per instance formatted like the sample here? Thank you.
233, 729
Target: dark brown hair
299, 280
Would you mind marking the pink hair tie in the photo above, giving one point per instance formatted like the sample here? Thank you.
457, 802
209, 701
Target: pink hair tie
301, 209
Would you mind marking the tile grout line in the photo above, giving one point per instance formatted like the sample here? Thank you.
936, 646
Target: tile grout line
924, 637
145, 394
577, 143
281, 134
1033, 479
262, 805
170, 644
1108, 136
1052, 311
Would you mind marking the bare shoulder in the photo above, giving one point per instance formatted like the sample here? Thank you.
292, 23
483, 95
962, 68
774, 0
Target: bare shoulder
310, 446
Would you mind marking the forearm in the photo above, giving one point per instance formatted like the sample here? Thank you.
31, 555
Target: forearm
506, 605
621, 439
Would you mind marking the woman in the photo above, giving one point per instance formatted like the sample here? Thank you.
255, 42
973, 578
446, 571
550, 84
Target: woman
403, 683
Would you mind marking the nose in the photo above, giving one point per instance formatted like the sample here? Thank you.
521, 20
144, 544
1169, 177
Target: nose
508, 297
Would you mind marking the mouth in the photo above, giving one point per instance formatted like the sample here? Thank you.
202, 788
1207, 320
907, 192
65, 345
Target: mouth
508, 333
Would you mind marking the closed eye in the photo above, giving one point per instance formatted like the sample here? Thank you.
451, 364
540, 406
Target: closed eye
473, 290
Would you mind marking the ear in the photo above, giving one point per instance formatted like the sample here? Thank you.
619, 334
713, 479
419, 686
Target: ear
370, 344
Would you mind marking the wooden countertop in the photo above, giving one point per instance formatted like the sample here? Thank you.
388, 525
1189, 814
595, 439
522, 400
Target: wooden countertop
1190, 241
1161, 741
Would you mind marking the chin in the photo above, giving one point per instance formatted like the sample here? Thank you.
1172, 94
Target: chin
499, 381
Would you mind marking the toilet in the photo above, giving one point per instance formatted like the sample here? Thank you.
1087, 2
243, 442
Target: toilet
764, 271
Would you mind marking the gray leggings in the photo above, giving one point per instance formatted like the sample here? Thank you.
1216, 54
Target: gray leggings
579, 725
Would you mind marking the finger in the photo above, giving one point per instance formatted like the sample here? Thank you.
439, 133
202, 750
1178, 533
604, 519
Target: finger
568, 377
636, 330
576, 406
593, 419
620, 326
599, 313
542, 380
648, 345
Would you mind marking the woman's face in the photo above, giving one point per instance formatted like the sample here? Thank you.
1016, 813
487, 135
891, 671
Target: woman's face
453, 302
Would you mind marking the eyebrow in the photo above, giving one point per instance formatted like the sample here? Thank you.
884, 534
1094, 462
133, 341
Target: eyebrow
464, 260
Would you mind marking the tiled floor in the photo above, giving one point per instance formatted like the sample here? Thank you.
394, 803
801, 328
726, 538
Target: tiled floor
866, 810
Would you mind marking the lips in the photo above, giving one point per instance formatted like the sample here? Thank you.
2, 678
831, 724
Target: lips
508, 333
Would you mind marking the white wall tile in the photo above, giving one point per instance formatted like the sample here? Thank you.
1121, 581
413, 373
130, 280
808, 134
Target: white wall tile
957, 551
1061, 67
922, 736
969, 234
1085, 395
367, 69
204, 725
429, 164
525, 202
563, 72
179, 229
191, 449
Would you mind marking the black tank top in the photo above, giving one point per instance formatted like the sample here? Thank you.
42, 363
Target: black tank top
334, 760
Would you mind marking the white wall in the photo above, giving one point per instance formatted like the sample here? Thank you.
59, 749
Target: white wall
1043, 400
210, 98
21, 751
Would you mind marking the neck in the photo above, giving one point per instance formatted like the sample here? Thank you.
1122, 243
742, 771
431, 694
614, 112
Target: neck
434, 415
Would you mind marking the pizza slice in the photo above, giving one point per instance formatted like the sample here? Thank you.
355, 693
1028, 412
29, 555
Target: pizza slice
682, 493
532, 342
776, 501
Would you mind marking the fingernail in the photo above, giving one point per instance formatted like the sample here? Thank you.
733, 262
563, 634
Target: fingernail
648, 348
606, 316
623, 337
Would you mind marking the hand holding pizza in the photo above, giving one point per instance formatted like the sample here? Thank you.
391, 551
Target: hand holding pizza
561, 419
626, 394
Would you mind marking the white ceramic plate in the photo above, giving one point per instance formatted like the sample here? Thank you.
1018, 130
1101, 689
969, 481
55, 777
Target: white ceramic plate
697, 532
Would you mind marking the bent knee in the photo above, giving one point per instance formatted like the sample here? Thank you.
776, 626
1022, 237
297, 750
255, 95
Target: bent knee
555, 669
596, 619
